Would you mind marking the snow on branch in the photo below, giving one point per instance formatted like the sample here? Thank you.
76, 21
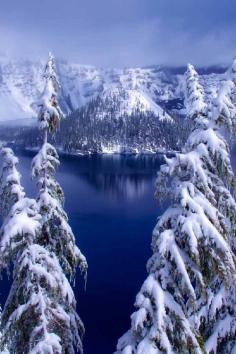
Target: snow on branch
56, 230
194, 96
45, 320
223, 110
11, 190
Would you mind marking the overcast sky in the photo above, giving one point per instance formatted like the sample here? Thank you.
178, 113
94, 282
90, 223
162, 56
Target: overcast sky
120, 32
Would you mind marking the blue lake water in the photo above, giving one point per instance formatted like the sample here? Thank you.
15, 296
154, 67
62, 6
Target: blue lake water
111, 208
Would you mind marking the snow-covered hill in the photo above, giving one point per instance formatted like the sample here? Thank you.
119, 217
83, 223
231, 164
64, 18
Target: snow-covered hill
125, 101
146, 89
20, 84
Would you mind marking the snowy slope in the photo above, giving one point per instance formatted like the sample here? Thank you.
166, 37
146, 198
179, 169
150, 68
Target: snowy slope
20, 84
144, 88
127, 101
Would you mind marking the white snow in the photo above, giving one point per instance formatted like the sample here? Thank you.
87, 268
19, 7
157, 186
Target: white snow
194, 95
21, 83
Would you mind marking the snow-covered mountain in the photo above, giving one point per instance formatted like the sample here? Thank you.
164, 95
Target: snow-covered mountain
147, 89
120, 101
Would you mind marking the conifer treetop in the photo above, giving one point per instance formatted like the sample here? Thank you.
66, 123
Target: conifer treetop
50, 112
50, 72
223, 110
194, 96
231, 72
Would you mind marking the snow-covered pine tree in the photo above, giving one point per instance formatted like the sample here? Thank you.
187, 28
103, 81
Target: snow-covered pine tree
50, 113
194, 95
40, 313
223, 114
187, 303
10, 187
223, 109
57, 234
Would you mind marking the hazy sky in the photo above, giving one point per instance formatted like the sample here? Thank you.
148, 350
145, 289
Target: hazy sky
120, 32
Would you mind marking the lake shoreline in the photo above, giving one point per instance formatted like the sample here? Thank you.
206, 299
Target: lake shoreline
104, 153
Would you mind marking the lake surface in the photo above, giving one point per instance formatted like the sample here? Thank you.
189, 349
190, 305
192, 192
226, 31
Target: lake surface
111, 208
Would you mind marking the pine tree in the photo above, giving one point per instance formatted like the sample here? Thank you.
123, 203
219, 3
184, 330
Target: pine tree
50, 113
57, 234
187, 303
40, 313
221, 334
194, 95
10, 188
223, 109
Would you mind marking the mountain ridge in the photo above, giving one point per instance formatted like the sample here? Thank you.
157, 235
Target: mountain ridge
156, 87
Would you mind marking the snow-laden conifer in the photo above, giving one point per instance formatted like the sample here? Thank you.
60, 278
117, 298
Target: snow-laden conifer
50, 113
194, 95
40, 313
56, 240
10, 187
223, 109
57, 233
187, 303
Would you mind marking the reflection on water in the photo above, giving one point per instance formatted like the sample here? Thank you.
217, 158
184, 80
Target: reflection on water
112, 211
118, 186
122, 177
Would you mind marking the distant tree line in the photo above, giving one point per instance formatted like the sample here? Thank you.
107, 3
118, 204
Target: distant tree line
97, 126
